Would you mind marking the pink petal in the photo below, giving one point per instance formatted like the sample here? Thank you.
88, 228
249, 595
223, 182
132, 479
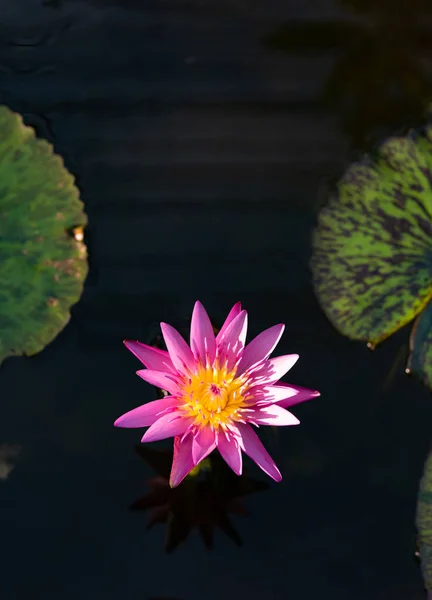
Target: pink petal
159, 379
180, 353
203, 443
236, 310
232, 341
230, 452
302, 395
236, 331
280, 365
260, 347
202, 338
269, 371
283, 394
152, 358
182, 460
274, 415
252, 446
276, 393
168, 425
145, 415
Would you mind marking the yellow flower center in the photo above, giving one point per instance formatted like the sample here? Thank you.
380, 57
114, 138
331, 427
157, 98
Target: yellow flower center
214, 397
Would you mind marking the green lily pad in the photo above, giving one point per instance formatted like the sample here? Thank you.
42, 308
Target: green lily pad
43, 261
372, 267
420, 360
372, 249
424, 522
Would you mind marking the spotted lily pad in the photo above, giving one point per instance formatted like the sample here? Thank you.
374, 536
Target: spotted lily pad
372, 250
424, 523
43, 261
372, 267
420, 360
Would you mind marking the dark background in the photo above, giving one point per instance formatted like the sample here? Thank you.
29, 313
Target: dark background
203, 135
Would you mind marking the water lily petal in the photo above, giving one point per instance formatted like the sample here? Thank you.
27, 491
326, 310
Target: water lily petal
233, 340
235, 332
159, 379
180, 353
202, 338
152, 358
146, 415
203, 443
260, 347
168, 425
302, 395
274, 414
252, 446
182, 460
271, 370
280, 365
230, 452
268, 394
236, 310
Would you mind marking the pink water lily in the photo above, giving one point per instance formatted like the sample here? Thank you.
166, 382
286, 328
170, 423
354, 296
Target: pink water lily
218, 389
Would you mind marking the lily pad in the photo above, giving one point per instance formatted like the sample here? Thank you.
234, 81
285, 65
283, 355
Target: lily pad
420, 360
372, 250
372, 267
43, 260
424, 523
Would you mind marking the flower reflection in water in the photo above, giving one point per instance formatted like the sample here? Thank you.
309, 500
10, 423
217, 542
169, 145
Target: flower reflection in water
205, 500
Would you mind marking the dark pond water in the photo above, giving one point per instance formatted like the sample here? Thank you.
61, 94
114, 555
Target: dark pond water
204, 136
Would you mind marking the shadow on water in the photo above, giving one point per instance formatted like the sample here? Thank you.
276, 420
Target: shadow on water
204, 501
381, 79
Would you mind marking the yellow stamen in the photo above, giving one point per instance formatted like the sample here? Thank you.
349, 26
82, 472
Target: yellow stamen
214, 397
